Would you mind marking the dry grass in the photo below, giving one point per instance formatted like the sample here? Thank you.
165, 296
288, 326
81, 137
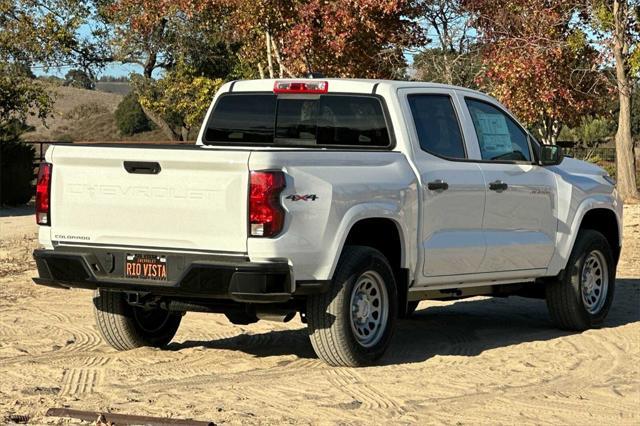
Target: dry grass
84, 116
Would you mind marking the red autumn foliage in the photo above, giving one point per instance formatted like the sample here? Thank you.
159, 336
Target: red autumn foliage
341, 38
536, 62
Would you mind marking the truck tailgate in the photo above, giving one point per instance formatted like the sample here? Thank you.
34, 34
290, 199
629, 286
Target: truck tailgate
197, 201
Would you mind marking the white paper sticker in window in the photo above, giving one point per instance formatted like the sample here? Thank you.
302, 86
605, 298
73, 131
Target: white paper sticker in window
495, 139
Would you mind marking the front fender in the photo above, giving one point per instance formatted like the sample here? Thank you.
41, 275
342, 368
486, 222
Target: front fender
569, 225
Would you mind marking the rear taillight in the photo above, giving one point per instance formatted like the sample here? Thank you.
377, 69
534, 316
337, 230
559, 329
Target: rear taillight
311, 86
266, 215
43, 195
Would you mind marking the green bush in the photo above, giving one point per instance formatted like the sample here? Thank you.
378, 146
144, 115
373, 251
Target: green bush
16, 173
130, 118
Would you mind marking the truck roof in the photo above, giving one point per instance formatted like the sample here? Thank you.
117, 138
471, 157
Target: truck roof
350, 85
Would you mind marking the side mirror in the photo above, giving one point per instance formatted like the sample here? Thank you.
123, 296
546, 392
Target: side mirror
550, 155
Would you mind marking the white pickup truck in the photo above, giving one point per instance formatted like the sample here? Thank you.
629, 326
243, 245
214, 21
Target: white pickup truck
347, 201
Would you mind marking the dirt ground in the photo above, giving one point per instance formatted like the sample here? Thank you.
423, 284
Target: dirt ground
478, 361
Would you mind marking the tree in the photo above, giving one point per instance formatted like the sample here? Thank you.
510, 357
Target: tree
536, 62
178, 101
139, 32
635, 116
156, 34
617, 23
452, 56
20, 96
42, 33
358, 38
52, 32
79, 79
183, 40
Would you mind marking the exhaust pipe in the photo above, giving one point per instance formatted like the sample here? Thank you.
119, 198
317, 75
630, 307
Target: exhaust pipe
275, 315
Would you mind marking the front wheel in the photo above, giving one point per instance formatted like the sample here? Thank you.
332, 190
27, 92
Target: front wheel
582, 298
128, 327
352, 323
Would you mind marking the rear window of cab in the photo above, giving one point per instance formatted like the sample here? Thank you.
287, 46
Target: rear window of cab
323, 121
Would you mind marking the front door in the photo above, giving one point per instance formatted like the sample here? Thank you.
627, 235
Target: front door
520, 213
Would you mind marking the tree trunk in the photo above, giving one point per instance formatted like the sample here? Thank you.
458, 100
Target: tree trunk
150, 65
625, 161
184, 132
162, 124
269, 58
625, 167
281, 66
152, 59
550, 130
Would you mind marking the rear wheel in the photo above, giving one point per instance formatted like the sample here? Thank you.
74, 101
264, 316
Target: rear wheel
352, 323
126, 327
582, 298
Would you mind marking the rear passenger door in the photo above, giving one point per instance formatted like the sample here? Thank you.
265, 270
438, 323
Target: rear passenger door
452, 189
520, 217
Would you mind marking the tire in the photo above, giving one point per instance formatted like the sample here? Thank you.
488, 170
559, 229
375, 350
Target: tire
344, 337
591, 270
127, 327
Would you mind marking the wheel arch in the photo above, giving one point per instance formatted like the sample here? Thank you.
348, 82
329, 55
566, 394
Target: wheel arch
606, 222
386, 235
572, 219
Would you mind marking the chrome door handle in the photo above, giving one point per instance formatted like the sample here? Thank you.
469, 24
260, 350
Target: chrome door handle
498, 186
438, 185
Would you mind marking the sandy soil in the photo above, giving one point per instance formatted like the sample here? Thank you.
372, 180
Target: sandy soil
479, 361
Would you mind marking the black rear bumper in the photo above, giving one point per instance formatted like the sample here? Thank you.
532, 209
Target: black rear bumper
189, 275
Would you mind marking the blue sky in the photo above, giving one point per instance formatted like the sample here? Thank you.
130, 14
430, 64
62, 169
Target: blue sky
114, 69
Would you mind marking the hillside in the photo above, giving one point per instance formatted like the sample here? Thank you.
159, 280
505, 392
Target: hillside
81, 115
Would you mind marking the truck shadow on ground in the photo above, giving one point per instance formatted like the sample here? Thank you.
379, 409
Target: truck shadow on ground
465, 328
28, 210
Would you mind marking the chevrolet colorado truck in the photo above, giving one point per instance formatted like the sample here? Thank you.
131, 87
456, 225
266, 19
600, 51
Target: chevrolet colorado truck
346, 201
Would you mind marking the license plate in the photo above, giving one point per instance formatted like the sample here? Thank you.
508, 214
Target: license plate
146, 267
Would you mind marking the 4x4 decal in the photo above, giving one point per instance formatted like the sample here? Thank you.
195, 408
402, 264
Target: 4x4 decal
305, 197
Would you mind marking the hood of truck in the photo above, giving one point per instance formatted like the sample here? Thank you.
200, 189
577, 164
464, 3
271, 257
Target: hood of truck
571, 165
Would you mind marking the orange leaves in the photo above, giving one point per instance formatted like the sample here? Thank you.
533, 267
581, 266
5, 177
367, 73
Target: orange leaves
535, 63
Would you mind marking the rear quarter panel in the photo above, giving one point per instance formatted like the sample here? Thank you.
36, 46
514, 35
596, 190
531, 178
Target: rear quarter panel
348, 186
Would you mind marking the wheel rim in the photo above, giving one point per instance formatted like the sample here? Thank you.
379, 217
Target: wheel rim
151, 320
594, 282
369, 309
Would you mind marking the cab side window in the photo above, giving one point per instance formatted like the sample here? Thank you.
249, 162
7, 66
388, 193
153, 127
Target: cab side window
500, 138
437, 125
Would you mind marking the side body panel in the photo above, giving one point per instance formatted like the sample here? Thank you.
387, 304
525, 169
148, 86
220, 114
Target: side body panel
348, 186
520, 223
450, 238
